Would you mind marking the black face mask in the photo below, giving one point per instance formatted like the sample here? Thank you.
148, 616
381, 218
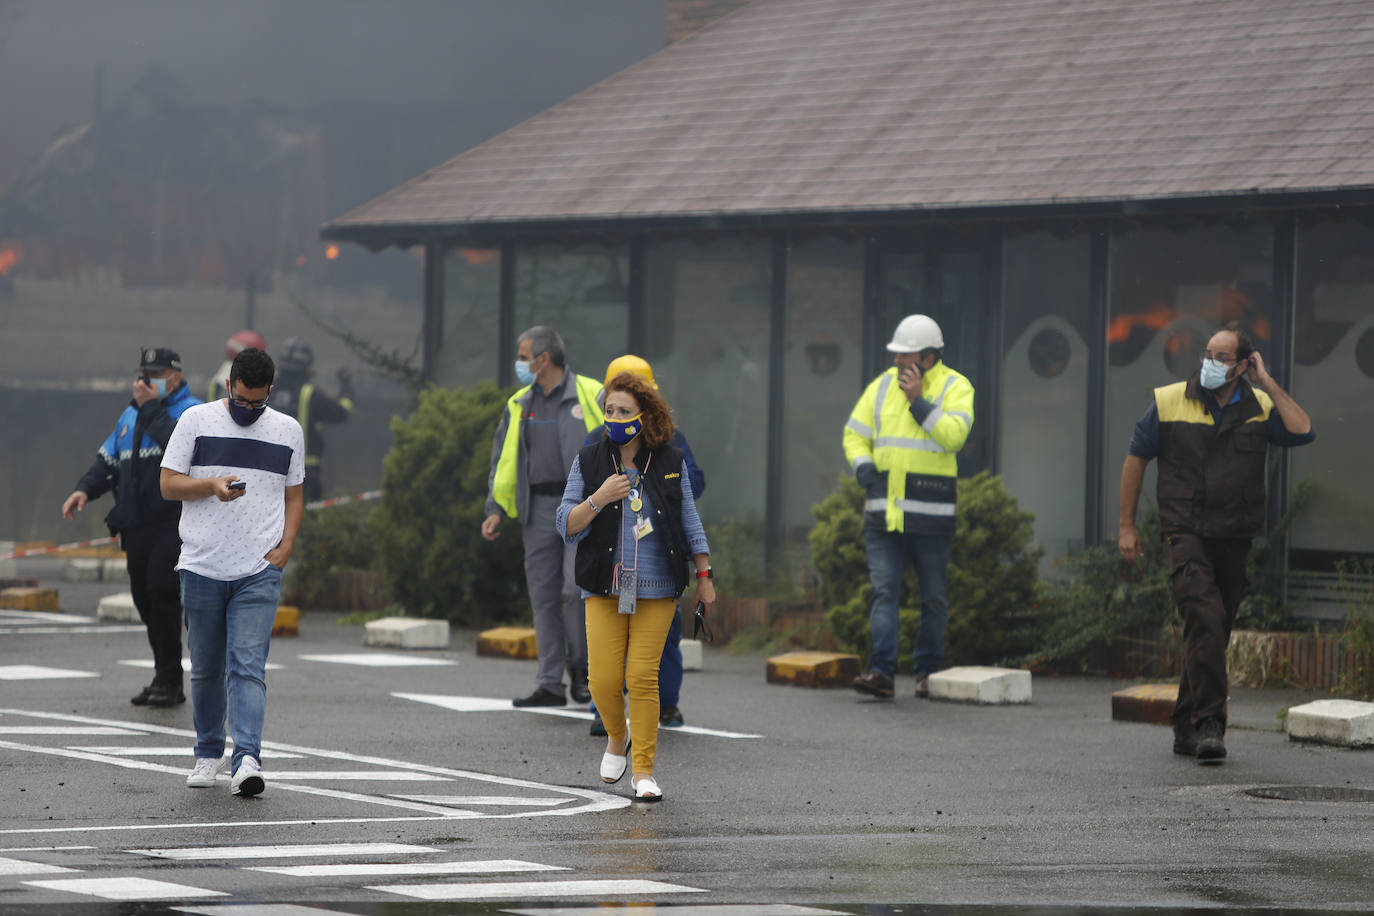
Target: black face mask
245, 416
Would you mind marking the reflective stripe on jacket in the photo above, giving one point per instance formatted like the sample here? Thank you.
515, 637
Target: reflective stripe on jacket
1212, 479
907, 468
508, 487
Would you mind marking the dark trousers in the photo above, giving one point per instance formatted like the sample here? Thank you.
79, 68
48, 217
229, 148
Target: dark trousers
151, 552
1208, 579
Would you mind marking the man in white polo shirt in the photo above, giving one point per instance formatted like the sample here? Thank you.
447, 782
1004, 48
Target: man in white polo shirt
238, 467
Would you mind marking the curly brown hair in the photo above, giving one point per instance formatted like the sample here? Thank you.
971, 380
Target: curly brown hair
656, 414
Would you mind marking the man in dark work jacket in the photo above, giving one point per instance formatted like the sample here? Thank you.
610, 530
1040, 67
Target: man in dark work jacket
1211, 434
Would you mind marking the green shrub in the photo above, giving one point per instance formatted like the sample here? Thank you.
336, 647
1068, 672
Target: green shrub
1357, 628
429, 542
330, 540
994, 581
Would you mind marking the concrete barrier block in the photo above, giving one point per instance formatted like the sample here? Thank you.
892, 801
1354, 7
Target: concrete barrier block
1344, 723
287, 622
29, 599
1153, 703
114, 568
813, 669
119, 608
508, 642
691, 654
85, 570
978, 684
407, 633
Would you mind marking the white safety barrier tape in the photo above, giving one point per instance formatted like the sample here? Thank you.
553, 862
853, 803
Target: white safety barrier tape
97, 542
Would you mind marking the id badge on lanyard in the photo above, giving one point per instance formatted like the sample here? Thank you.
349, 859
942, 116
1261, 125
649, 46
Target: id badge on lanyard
627, 580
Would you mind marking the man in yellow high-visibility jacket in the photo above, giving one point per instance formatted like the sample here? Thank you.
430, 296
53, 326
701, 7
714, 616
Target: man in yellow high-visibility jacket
903, 440
536, 441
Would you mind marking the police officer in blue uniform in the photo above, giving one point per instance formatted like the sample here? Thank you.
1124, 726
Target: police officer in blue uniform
129, 463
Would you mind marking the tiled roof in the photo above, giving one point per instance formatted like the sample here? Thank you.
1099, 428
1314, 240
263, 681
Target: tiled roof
834, 105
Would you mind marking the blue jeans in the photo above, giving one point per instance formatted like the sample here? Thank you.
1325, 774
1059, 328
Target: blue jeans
887, 554
228, 628
669, 667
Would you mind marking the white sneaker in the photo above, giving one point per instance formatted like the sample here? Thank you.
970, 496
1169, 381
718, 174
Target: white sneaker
203, 776
248, 780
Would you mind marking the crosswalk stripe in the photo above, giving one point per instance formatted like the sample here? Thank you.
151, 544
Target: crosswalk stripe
378, 660
185, 663
38, 672
512, 800
125, 888
104, 630
491, 704
196, 853
367, 869
10, 867
64, 730
188, 752
352, 776
24, 617
524, 889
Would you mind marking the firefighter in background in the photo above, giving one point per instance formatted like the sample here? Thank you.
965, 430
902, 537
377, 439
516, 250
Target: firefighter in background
232, 347
296, 395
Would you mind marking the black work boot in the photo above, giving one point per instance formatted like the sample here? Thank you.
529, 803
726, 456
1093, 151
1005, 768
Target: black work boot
577, 689
1210, 747
1185, 739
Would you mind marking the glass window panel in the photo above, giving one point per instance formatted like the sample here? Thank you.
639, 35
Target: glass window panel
823, 374
470, 338
1333, 380
580, 292
1172, 286
706, 327
1046, 302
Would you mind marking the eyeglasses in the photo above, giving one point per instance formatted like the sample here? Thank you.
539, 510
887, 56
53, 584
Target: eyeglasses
1222, 358
699, 625
250, 405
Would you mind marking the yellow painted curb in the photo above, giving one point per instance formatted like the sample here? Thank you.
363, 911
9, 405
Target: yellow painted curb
1152, 703
29, 599
813, 669
508, 642
287, 621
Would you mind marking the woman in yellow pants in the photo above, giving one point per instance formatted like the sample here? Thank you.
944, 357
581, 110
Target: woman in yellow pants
628, 506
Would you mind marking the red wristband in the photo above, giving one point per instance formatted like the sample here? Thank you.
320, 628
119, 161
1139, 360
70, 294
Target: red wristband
705, 573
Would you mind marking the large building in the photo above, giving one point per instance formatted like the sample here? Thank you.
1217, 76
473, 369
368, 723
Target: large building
1077, 191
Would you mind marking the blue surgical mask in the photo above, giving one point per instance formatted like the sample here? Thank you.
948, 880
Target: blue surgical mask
623, 431
1213, 374
245, 416
523, 373
159, 385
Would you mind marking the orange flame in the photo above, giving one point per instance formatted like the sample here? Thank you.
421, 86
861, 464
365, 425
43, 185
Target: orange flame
1156, 319
331, 252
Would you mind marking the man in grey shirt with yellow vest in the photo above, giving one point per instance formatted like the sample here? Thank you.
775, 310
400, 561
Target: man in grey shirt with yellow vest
903, 440
535, 443
1211, 435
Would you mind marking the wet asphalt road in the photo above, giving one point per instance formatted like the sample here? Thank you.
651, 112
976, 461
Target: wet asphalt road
839, 803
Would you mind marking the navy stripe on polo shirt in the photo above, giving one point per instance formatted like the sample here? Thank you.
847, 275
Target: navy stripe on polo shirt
225, 452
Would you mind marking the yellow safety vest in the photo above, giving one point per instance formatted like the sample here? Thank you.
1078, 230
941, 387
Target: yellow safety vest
504, 484
920, 460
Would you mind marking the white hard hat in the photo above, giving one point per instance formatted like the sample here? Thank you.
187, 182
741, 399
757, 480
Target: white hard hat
916, 333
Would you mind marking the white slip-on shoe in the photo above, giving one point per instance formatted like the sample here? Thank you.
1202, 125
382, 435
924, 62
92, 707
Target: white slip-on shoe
647, 789
203, 776
248, 779
613, 767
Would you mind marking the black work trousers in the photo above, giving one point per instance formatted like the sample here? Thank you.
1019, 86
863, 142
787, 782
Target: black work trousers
1208, 579
151, 552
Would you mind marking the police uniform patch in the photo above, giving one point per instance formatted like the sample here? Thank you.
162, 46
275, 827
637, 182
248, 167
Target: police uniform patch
149, 355
577, 412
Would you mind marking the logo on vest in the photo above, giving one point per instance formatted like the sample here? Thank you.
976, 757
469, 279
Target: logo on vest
577, 412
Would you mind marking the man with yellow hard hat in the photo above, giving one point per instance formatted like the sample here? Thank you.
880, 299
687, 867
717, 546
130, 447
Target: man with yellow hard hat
670, 666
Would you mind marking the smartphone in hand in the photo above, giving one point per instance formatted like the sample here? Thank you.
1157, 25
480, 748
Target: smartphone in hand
238, 485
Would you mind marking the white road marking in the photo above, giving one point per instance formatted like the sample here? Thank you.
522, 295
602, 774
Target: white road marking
24, 617
126, 888
187, 751
349, 775
10, 867
485, 800
686, 909
43, 848
524, 889
257, 909
489, 704
288, 851
588, 801
49, 631
64, 730
38, 672
367, 869
185, 663
377, 660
